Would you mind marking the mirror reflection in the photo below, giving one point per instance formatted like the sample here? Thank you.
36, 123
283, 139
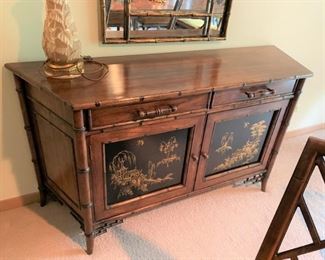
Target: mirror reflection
164, 20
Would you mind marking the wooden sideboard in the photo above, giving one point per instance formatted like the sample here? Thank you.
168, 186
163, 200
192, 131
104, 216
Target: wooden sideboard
157, 128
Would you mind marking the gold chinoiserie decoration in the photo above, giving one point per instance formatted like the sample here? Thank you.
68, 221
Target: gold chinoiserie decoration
246, 153
226, 142
127, 177
168, 149
140, 142
159, 1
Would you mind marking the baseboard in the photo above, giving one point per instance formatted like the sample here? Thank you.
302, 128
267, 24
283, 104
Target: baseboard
19, 201
305, 130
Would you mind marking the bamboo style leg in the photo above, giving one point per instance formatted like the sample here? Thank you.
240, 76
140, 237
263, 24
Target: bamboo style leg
32, 140
83, 179
282, 131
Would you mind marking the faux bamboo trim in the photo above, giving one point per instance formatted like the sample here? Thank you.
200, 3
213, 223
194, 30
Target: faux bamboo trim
225, 18
87, 206
128, 13
163, 13
83, 171
81, 129
161, 40
90, 235
282, 130
141, 121
28, 122
83, 179
209, 18
27, 128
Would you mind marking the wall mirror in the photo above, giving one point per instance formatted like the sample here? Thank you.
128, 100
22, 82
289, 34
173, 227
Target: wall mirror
131, 21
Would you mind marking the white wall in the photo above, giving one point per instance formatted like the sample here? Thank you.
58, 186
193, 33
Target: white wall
295, 26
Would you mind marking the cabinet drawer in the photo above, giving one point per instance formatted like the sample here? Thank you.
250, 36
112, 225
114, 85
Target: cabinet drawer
119, 114
253, 92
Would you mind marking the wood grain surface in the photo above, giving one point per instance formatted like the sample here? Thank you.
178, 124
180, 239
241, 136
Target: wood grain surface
153, 76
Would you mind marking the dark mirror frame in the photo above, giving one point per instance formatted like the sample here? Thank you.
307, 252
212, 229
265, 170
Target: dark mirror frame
128, 17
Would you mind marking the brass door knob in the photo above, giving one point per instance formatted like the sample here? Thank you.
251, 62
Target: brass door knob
205, 155
195, 158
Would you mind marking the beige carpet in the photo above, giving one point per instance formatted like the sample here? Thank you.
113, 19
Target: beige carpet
228, 223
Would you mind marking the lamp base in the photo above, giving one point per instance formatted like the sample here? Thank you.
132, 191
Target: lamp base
66, 71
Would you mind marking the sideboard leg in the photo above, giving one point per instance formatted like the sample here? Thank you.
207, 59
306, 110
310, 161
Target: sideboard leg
83, 178
32, 139
90, 244
287, 116
263, 185
43, 196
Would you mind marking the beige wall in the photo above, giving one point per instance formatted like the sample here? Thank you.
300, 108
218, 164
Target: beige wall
295, 26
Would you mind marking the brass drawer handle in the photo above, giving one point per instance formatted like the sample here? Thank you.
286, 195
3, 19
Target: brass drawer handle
259, 92
159, 111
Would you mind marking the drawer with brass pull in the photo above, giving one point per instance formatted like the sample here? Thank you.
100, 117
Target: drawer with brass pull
107, 116
252, 92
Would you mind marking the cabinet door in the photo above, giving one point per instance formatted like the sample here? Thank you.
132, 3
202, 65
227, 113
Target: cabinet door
238, 143
138, 167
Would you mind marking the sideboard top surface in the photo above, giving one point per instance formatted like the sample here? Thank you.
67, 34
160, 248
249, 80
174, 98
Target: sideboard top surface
148, 77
